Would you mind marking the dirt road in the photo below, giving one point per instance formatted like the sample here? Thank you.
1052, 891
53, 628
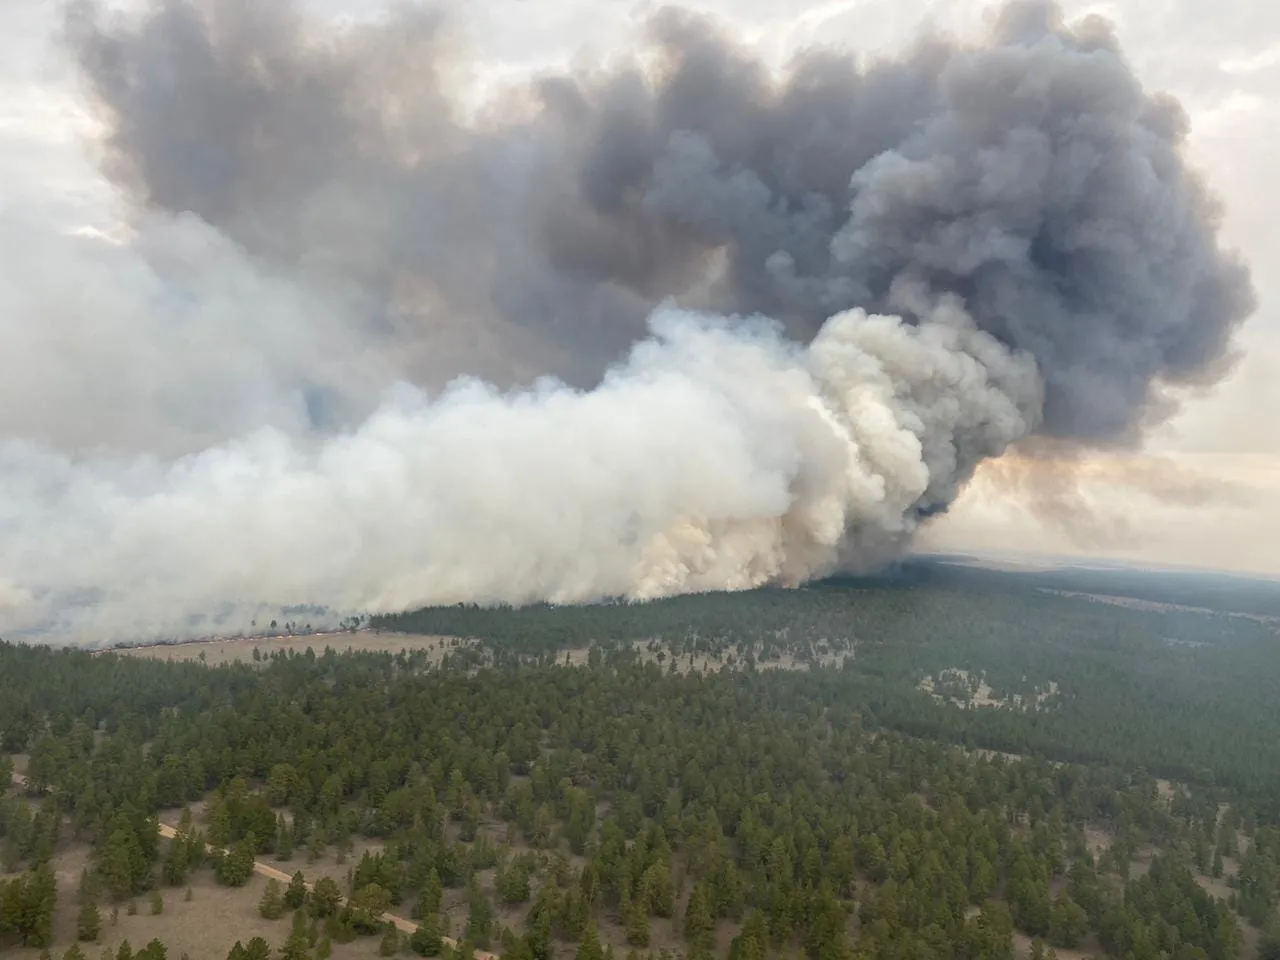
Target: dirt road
265, 869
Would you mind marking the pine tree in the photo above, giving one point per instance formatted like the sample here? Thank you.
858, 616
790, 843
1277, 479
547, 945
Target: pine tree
390, 944
73, 952
750, 943
157, 903
325, 897
699, 926
88, 888
88, 922
635, 921
236, 868
432, 894
539, 936
295, 896
175, 866
284, 840
479, 918
296, 946
271, 906
427, 940
590, 948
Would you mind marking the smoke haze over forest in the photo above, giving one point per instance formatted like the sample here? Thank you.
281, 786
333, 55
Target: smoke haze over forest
669, 320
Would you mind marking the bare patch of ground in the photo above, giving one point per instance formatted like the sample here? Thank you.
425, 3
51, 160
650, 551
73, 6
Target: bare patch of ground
206, 927
1215, 886
1022, 948
240, 649
1098, 840
969, 691
732, 659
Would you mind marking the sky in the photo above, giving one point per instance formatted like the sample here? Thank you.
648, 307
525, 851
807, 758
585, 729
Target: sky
1200, 494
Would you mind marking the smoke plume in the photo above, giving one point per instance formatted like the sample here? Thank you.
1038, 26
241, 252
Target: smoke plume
675, 323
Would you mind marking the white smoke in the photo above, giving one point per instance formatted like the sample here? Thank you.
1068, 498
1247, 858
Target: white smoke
716, 456
1002, 238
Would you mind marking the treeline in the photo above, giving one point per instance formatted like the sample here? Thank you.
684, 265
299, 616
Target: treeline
1191, 697
617, 805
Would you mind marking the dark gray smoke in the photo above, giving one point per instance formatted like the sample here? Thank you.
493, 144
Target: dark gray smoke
962, 248
1031, 175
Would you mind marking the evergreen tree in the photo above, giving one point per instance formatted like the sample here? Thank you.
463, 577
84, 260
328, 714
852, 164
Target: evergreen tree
589, 948
635, 920
88, 922
120, 863
236, 868
432, 894
699, 926
295, 895
325, 898
271, 906
479, 918
284, 840
295, 946
366, 907
426, 940
750, 943
389, 946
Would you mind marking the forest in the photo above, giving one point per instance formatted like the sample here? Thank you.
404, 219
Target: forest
926, 766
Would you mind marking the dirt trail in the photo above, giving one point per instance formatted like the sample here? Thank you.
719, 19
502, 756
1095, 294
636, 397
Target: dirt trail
265, 869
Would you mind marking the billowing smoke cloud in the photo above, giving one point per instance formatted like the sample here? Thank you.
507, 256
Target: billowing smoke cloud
958, 249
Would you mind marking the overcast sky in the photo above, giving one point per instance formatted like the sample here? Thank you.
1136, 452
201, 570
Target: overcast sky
1203, 495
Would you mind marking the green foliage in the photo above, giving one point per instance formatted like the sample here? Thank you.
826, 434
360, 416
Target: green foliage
236, 868
296, 946
325, 898
479, 929
255, 949
590, 948
88, 922
272, 905
427, 940
389, 945
366, 907
799, 803
27, 905
295, 895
